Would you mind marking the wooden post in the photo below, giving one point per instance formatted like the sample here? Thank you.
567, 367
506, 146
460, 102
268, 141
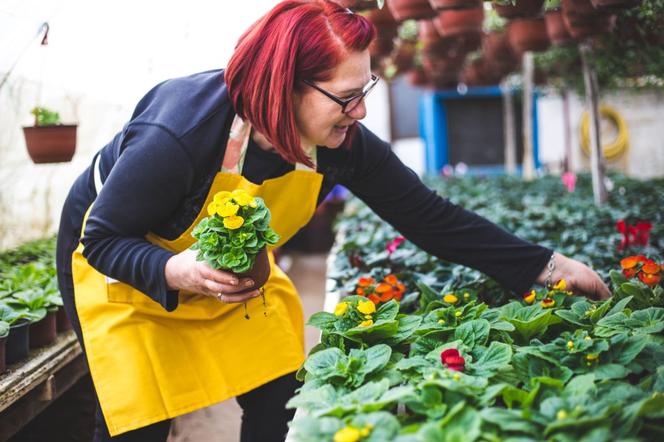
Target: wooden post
509, 128
528, 80
596, 160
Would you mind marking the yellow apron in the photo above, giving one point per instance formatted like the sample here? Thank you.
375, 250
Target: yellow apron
148, 364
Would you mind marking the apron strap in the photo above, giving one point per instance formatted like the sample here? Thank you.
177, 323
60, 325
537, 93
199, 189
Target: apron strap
236, 149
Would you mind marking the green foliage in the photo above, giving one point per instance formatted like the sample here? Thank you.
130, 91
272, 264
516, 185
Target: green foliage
45, 117
234, 249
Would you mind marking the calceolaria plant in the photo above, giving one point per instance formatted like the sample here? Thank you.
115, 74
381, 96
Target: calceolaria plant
237, 228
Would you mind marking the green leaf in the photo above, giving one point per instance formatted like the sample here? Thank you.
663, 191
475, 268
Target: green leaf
322, 320
496, 357
387, 311
377, 357
473, 333
324, 362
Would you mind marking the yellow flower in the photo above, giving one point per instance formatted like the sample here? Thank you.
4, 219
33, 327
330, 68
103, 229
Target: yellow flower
233, 222
450, 298
347, 434
366, 323
457, 313
570, 345
441, 321
340, 309
530, 298
588, 338
562, 414
592, 357
221, 196
212, 208
243, 198
364, 432
227, 209
366, 307
561, 285
548, 302
466, 296
456, 376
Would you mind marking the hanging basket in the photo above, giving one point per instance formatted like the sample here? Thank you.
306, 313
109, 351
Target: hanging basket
50, 144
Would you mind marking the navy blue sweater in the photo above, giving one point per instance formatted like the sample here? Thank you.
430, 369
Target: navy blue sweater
158, 169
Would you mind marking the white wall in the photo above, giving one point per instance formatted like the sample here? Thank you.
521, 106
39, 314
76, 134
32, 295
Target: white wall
643, 113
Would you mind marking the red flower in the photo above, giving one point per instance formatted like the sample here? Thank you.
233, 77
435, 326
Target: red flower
359, 291
638, 234
629, 273
649, 279
392, 245
631, 261
650, 267
642, 233
452, 359
366, 281
374, 298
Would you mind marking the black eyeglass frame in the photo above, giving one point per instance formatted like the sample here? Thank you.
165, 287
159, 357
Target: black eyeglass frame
345, 102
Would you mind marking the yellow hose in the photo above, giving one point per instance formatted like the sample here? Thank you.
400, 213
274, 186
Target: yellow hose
619, 144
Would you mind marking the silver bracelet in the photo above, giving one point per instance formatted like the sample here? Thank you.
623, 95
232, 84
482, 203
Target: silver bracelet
550, 267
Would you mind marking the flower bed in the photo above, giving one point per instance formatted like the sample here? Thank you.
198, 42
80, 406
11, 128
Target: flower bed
423, 350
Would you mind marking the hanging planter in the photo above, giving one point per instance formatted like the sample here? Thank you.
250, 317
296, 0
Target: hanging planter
358, 5
411, 9
582, 20
615, 5
458, 22
555, 28
528, 34
498, 53
517, 8
48, 141
440, 5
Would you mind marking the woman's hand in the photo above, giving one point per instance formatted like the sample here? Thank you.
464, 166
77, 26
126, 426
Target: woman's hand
580, 278
184, 272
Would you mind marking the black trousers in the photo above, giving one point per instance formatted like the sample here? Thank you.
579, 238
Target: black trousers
264, 418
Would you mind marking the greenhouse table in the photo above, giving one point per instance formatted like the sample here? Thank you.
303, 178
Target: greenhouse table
28, 387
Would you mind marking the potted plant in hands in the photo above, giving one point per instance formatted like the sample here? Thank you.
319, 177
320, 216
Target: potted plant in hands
235, 235
49, 141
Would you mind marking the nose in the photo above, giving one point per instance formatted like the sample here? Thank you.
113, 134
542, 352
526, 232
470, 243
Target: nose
359, 112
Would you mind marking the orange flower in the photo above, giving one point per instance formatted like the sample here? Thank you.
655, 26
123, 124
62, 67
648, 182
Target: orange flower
649, 279
401, 287
650, 267
374, 298
391, 279
366, 281
398, 296
359, 291
384, 297
631, 261
383, 288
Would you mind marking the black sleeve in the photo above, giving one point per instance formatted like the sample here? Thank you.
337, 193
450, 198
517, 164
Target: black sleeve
433, 223
145, 185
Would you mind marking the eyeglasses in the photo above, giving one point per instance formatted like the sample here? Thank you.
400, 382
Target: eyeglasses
348, 105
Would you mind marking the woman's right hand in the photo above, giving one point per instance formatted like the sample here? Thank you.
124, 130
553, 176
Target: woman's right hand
184, 272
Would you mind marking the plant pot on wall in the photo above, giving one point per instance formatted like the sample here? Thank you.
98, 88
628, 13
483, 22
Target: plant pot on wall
458, 22
582, 20
439, 5
520, 8
410, 9
528, 34
555, 28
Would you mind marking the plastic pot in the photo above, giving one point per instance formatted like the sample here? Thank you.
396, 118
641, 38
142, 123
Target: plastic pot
259, 273
62, 321
45, 331
50, 144
17, 345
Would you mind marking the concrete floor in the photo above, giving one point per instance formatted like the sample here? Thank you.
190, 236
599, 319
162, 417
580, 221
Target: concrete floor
221, 422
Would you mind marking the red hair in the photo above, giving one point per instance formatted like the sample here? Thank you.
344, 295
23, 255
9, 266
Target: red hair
296, 40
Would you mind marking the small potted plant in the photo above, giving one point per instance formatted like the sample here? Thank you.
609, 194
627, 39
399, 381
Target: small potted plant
49, 141
235, 235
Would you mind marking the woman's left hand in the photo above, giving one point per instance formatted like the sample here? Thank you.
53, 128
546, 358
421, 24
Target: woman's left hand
580, 278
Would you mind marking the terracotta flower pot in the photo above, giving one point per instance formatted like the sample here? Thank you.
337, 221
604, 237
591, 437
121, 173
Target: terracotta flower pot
44, 332
427, 31
528, 34
555, 28
358, 5
439, 5
615, 5
583, 21
498, 53
410, 9
259, 273
50, 144
17, 342
457, 22
522, 8
382, 18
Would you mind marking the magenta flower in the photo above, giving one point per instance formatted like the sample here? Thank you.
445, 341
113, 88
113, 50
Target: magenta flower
392, 245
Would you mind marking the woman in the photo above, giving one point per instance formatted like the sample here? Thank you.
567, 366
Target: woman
164, 334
